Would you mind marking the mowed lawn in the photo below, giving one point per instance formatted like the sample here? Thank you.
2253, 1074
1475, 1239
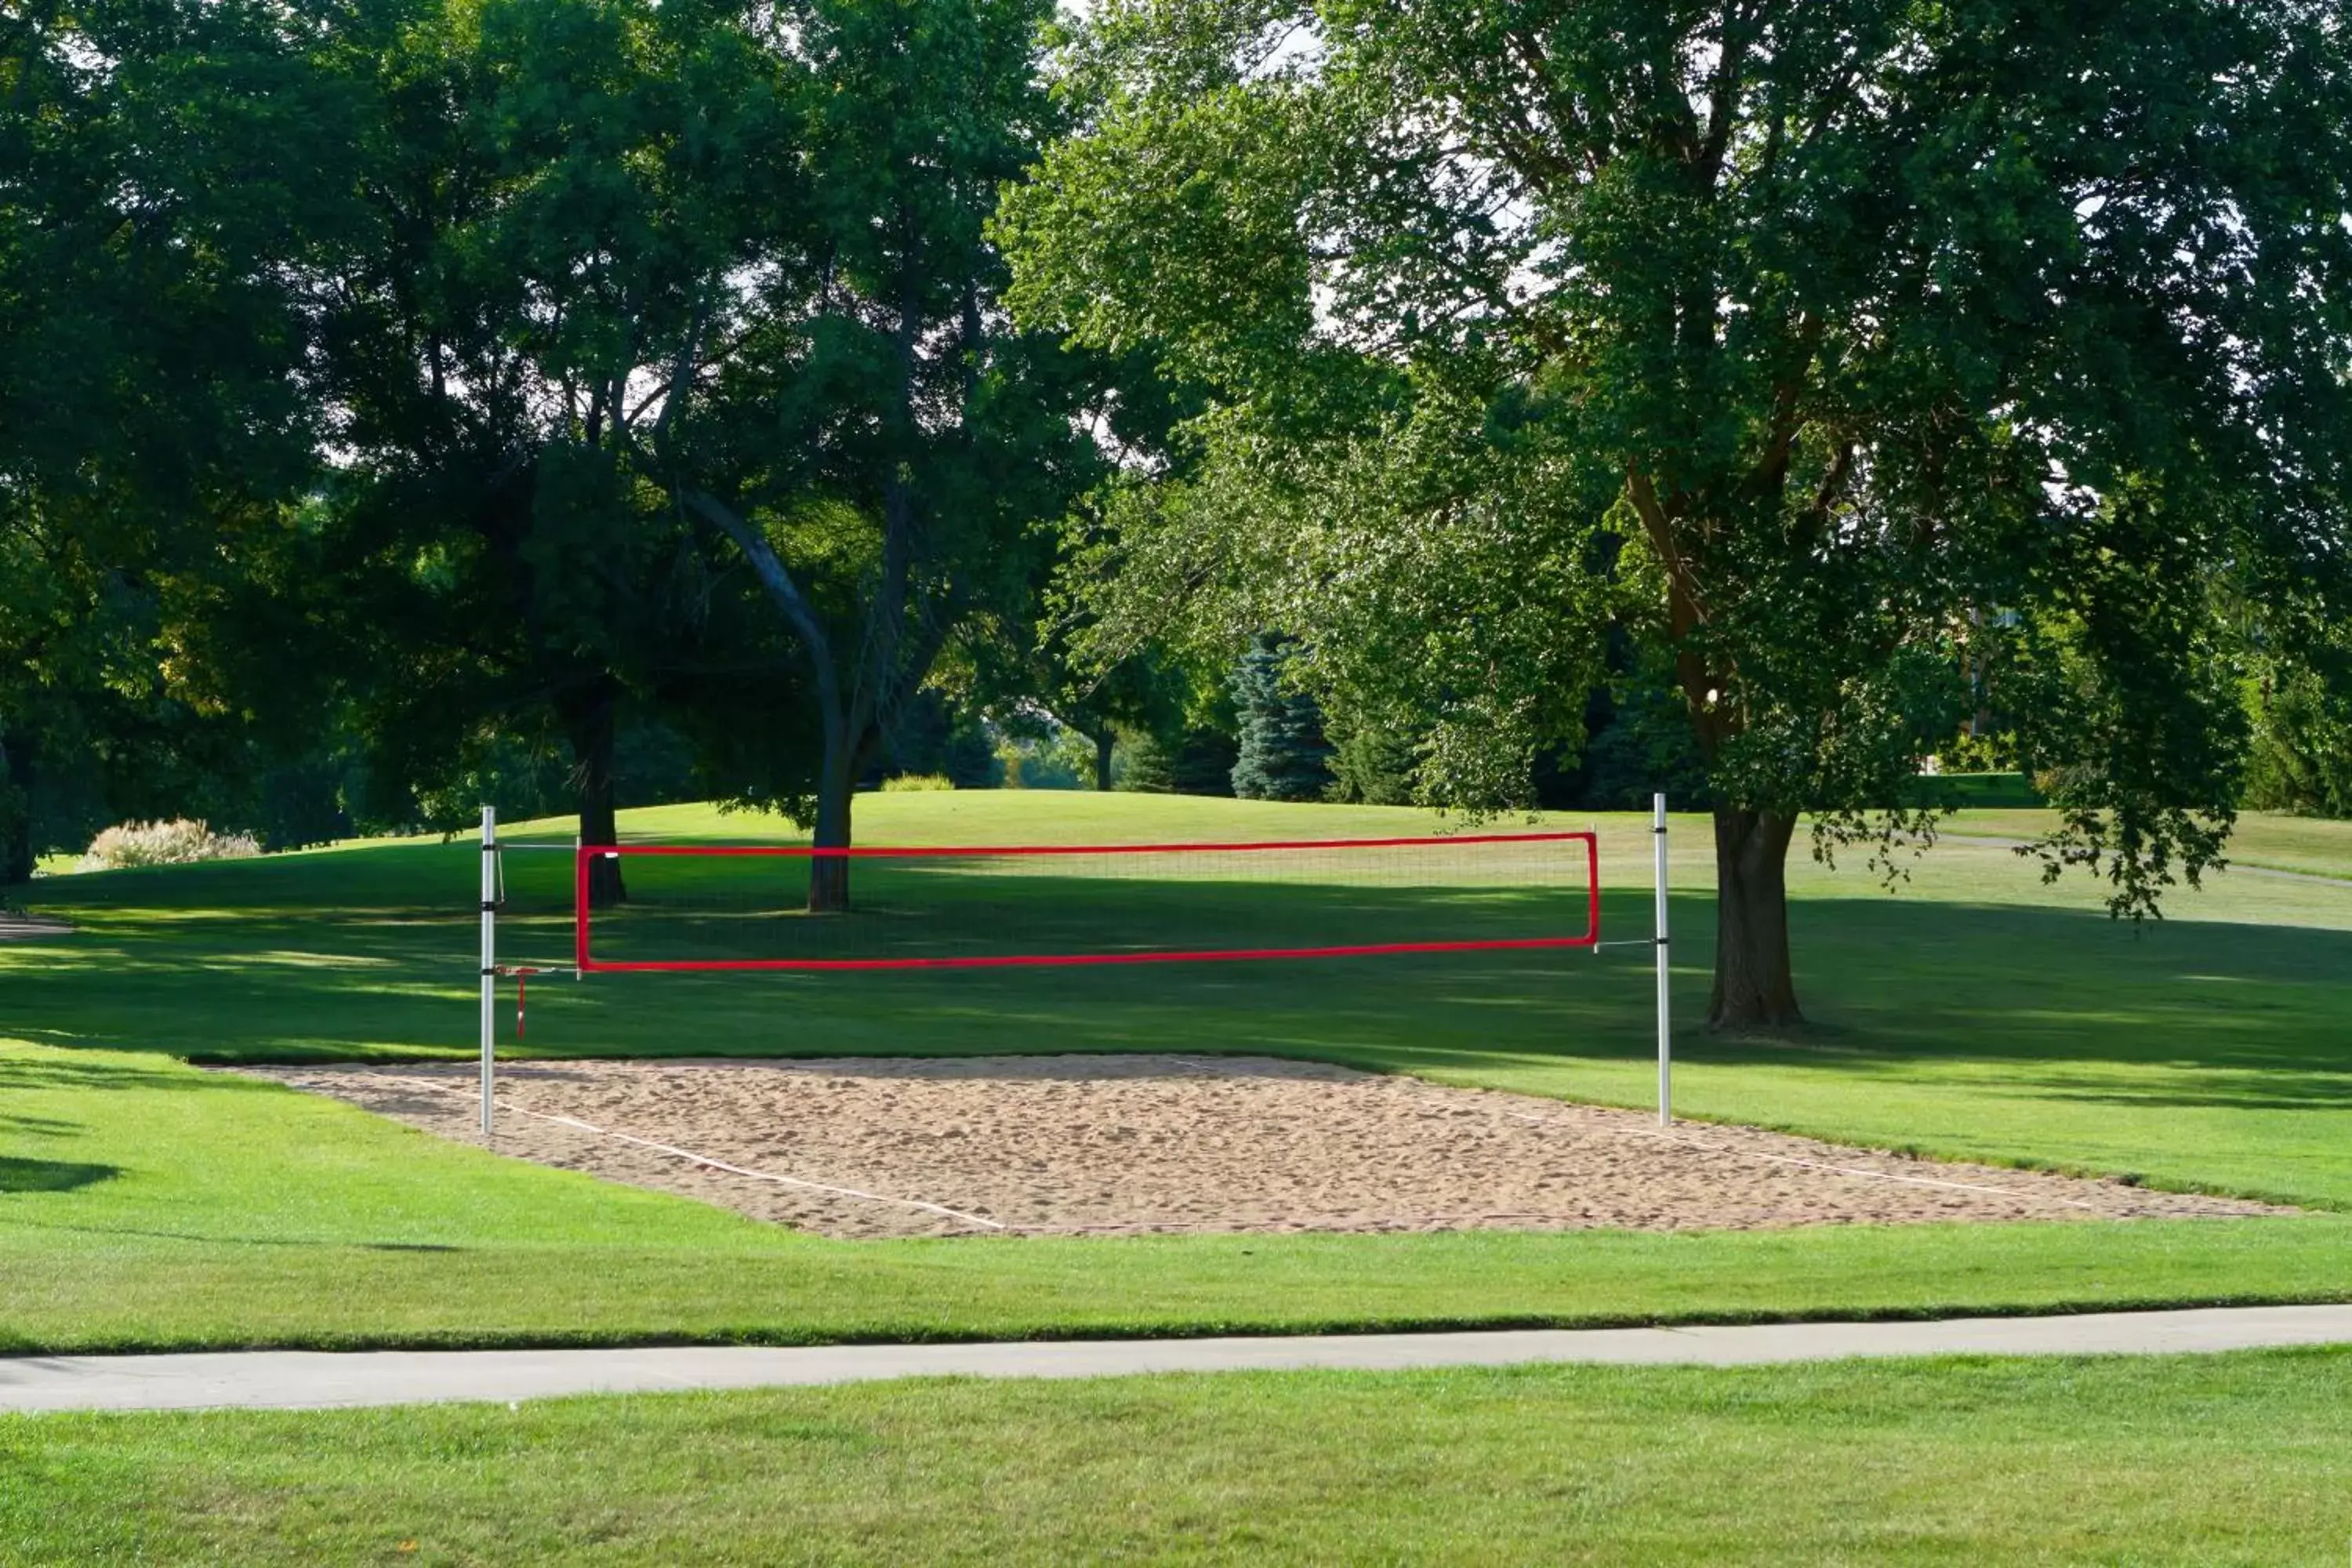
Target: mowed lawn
1975, 1013
2223, 1459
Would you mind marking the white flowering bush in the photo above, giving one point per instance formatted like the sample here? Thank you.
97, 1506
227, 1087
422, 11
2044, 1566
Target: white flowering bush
179, 843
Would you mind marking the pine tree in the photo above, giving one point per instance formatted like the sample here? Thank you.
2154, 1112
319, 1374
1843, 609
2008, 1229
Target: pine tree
1373, 765
1284, 755
1149, 766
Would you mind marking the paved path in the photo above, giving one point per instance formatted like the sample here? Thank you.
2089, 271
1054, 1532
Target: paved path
14, 927
310, 1379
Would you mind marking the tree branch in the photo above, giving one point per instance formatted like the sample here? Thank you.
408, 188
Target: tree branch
1658, 525
681, 373
1722, 95
777, 582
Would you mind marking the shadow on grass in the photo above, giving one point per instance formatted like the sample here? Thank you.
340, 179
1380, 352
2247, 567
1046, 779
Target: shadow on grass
52, 1072
41, 1126
2247, 1015
215, 1239
51, 1176
2252, 1090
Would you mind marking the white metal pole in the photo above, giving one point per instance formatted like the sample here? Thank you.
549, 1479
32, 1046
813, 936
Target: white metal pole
490, 957
1665, 1026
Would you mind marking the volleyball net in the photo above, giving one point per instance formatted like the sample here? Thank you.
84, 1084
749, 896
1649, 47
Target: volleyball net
698, 908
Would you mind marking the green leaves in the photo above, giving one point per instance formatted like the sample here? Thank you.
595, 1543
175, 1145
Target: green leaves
1825, 348
158, 313
1176, 229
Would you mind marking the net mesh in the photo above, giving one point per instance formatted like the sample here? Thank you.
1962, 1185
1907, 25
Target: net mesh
696, 907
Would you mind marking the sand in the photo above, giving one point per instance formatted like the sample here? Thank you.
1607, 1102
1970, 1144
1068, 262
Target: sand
1127, 1144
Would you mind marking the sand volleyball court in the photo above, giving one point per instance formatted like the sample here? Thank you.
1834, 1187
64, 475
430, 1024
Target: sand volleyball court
1133, 1144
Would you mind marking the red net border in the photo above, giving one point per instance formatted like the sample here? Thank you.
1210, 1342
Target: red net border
587, 853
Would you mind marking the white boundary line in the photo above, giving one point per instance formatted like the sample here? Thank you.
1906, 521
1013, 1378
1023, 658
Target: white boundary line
757, 1175
1818, 1164
690, 1156
1326, 1224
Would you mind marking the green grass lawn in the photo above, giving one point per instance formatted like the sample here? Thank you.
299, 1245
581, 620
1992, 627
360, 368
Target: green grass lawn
2308, 845
1973, 1013
2226, 1459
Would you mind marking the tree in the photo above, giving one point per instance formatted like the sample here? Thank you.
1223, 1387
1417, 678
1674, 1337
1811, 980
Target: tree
1192, 760
154, 320
866, 427
1284, 755
1370, 765
1637, 744
1867, 361
942, 733
549, 187
2303, 743
1143, 694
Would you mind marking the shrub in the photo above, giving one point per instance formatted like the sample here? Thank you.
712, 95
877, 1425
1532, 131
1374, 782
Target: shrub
917, 783
180, 843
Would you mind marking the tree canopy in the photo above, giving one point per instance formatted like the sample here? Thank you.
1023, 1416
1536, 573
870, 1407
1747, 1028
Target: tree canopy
1872, 361
849, 407
153, 321
546, 190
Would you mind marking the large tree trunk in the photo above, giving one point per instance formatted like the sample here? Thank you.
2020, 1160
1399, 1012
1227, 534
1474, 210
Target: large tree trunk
1103, 744
16, 849
836, 790
594, 723
15, 812
828, 889
1753, 986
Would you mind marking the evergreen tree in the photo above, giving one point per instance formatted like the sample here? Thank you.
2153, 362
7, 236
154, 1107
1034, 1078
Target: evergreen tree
1284, 755
1372, 763
1151, 767
1203, 763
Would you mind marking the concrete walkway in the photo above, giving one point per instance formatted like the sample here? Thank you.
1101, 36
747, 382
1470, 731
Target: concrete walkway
14, 927
310, 1379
